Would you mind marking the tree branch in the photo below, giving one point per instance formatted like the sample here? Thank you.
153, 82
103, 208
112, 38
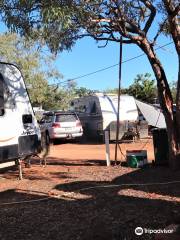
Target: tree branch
159, 31
168, 6
106, 43
112, 39
176, 11
123, 19
150, 20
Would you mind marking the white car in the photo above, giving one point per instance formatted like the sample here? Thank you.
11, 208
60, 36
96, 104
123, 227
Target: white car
61, 125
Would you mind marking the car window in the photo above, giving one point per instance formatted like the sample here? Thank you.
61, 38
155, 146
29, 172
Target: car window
66, 118
47, 119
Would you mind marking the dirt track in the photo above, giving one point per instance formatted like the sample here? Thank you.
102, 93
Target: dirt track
84, 199
95, 151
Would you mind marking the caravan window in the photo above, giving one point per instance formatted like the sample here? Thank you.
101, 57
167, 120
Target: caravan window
94, 108
1, 95
81, 109
27, 118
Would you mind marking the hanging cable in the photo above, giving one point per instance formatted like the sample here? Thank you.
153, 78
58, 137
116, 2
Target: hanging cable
109, 67
115, 65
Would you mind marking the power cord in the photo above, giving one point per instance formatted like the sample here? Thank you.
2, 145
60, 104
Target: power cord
88, 188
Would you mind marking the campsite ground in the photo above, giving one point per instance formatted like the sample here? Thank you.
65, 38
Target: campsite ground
81, 198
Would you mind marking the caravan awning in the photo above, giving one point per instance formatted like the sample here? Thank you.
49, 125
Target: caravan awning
152, 114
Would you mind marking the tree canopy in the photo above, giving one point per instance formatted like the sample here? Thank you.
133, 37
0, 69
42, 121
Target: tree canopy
60, 23
41, 77
37, 67
143, 88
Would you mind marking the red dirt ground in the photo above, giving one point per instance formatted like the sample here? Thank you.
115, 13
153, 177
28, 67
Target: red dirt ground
83, 199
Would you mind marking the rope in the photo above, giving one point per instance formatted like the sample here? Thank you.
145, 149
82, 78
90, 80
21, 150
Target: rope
130, 184
87, 188
25, 201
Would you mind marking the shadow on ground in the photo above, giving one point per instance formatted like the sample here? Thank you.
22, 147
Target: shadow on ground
68, 162
90, 210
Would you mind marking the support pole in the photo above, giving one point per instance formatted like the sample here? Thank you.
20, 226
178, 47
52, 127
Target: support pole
107, 148
19, 162
119, 93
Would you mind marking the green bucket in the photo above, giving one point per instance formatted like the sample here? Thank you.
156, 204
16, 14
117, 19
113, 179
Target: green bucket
136, 159
132, 161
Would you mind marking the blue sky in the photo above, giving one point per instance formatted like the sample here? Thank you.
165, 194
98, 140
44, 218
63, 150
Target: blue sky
87, 57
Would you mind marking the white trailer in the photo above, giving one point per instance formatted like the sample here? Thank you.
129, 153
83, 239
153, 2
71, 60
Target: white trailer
20, 135
99, 113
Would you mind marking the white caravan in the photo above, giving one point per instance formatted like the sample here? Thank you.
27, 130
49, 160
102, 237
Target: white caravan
19, 131
99, 113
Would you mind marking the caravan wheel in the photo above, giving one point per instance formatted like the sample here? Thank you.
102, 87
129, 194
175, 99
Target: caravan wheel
101, 137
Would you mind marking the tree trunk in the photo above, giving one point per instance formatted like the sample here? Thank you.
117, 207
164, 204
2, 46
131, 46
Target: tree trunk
178, 103
174, 27
166, 102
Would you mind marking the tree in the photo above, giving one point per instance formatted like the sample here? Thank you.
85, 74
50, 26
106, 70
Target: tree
143, 88
59, 97
173, 87
82, 91
30, 60
115, 91
61, 23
